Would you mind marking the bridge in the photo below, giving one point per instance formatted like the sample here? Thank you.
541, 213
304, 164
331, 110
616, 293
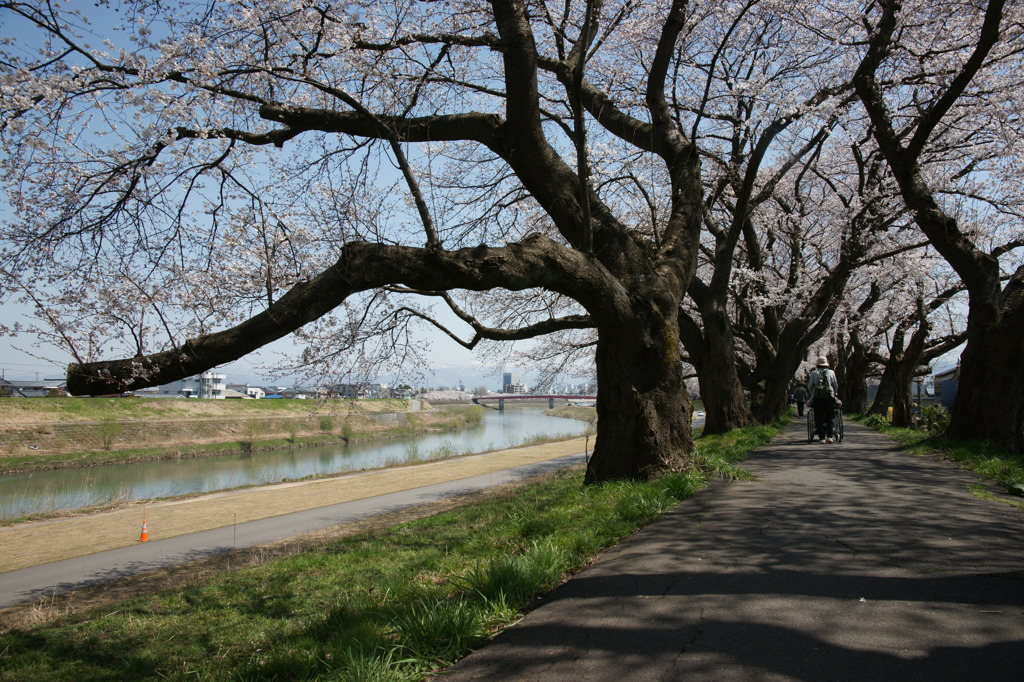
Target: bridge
502, 397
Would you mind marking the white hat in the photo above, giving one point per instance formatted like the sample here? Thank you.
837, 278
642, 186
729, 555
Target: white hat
822, 361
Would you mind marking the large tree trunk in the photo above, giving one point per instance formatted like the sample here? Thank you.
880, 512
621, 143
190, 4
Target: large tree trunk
711, 348
776, 368
852, 373
902, 398
725, 407
643, 408
774, 396
901, 366
989, 402
886, 389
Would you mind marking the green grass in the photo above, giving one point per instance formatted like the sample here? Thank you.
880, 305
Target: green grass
982, 457
718, 454
393, 605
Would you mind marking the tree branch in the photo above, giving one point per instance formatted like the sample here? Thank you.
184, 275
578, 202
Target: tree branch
535, 262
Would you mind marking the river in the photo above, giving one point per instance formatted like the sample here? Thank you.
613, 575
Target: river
71, 489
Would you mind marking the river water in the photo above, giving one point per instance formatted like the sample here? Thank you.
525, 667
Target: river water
70, 489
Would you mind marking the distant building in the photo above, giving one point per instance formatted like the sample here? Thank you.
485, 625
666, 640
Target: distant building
349, 391
512, 382
295, 393
362, 391
402, 392
232, 394
208, 385
40, 388
945, 386
248, 391
378, 391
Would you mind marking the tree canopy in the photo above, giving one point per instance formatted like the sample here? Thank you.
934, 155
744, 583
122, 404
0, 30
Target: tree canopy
190, 181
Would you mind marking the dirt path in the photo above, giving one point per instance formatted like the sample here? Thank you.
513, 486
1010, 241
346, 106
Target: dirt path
36, 543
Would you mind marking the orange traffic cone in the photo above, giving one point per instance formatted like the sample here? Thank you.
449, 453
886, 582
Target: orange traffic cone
145, 536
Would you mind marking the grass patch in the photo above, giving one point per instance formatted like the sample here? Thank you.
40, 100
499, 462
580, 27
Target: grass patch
983, 493
391, 605
585, 414
718, 454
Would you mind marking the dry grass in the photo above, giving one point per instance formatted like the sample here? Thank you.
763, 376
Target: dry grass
67, 426
20, 412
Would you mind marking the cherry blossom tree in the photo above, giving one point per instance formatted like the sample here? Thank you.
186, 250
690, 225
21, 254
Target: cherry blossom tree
767, 102
912, 337
833, 218
258, 168
190, 183
930, 77
821, 217
855, 336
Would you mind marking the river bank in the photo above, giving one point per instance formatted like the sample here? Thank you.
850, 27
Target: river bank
57, 492
57, 433
38, 542
35, 542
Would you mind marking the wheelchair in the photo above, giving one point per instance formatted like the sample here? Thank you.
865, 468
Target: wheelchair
837, 423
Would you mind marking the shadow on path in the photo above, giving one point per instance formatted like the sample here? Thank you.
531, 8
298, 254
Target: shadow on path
849, 561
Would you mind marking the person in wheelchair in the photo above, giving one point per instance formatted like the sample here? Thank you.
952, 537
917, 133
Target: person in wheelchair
823, 387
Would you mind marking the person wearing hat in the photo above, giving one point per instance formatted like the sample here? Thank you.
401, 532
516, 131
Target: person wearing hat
823, 389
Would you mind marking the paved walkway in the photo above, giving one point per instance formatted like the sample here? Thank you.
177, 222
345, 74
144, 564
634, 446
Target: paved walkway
839, 562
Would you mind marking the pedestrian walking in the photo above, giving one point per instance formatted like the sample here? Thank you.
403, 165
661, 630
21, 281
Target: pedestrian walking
800, 396
824, 387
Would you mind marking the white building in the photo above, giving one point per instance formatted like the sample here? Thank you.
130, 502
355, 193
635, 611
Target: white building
254, 392
248, 391
208, 385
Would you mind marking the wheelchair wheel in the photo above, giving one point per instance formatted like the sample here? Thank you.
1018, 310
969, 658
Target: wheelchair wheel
810, 425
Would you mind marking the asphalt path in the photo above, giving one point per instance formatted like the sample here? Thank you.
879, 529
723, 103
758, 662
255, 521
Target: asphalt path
848, 561
55, 578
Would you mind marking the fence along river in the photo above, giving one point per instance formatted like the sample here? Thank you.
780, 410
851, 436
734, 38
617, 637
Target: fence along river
71, 489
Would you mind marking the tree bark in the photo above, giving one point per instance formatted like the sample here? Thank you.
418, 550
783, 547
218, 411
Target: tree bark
641, 392
903, 399
725, 405
852, 373
989, 402
774, 396
711, 350
886, 389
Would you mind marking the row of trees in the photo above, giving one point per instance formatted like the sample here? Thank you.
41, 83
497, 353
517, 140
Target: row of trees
655, 185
